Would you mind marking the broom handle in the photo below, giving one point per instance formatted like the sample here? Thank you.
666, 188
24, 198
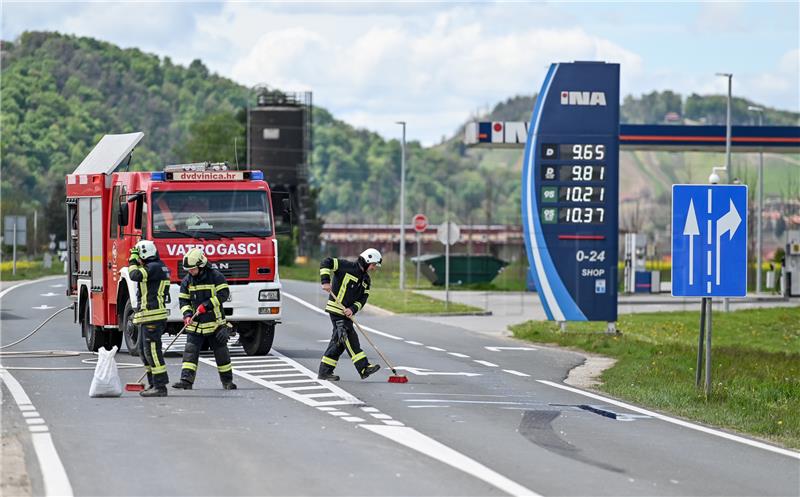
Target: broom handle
363, 332
170, 345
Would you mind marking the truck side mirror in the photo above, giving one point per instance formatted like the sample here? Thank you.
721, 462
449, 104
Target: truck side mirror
122, 215
287, 211
137, 217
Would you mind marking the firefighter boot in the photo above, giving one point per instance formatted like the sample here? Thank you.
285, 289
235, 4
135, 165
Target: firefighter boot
154, 392
183, 384
370, 369
149, 381
326, 373
229, 385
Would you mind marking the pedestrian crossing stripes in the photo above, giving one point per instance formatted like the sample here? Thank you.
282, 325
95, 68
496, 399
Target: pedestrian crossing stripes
280, 374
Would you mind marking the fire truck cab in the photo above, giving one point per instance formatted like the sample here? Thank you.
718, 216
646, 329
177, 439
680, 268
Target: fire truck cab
226, 212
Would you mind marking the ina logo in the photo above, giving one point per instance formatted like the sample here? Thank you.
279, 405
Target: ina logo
586, 98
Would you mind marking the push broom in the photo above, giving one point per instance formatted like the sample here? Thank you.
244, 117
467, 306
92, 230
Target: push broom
139, 386
394, 377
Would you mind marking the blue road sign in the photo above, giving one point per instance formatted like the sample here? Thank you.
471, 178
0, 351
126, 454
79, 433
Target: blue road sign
709, 240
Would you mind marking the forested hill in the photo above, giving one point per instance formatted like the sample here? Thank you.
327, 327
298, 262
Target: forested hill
61, 94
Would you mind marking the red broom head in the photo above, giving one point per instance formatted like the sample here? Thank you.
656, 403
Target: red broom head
134, 387
398, 378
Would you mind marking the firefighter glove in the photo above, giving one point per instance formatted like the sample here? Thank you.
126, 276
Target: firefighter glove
339, 334
134, 257
222, 334
201, 309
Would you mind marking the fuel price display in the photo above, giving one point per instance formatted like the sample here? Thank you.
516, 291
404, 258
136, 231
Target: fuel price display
570, 191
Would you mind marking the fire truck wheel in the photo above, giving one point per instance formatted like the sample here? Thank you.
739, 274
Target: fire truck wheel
93, 334
257, 340
129, 330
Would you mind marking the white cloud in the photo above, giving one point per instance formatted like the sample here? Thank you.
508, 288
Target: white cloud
434, 65
440, 67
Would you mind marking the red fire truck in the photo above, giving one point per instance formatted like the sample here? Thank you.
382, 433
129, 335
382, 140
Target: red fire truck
226, 212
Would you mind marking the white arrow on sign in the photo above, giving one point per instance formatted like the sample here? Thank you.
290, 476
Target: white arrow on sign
727, 223
498, 349
428, 372
48, 294
691, 229
43, 307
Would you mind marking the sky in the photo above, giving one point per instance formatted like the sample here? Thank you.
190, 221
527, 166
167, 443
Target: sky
437, 65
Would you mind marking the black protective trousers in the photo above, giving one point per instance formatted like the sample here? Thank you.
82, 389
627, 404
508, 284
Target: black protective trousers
343, 337
191, 355
151, 353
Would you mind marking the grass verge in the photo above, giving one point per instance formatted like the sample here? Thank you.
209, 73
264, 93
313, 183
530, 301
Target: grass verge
384, 292
28, 270
755, 366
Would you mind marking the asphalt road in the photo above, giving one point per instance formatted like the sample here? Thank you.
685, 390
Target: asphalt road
481, 415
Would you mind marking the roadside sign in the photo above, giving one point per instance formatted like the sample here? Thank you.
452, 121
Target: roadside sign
448, 233
420, 223
8, 233
709, 240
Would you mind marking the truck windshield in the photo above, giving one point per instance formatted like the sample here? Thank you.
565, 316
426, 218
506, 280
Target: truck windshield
198, 214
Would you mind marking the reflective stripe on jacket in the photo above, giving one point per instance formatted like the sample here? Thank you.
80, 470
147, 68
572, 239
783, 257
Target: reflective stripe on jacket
349, 282
210, 289
152, 287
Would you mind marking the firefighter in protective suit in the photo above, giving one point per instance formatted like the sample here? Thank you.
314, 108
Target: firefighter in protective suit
349, 282
203, 290
152, 278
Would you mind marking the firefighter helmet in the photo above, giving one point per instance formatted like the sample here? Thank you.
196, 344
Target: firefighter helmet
194, 258
147, 249
372, 256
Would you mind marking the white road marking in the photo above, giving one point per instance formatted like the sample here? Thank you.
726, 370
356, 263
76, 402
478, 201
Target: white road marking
292, 370
393, 423
456, 354
43, 307
437, 349
369, 409
415, 440
337, 413
54, 475
317, 309
486, 363
60, 285
323, 408
49, 294
498, 349
511, 371
411, 342
679, 422
35, 421
353, 419
428, 372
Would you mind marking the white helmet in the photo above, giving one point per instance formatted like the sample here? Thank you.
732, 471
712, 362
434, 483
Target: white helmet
147, 249
372, 256
194, 258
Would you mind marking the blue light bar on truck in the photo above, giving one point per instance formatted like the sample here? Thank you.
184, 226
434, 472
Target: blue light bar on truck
158, 176
257, 175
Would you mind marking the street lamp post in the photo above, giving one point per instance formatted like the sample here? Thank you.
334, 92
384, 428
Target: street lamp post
403, 208
726, 301
728, 128
759, 240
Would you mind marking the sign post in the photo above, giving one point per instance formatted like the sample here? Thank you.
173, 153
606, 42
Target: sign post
448, 233
420, 225
709, 234
15, 229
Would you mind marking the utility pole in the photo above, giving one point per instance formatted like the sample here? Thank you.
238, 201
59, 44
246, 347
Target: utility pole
403, 208
759, 240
